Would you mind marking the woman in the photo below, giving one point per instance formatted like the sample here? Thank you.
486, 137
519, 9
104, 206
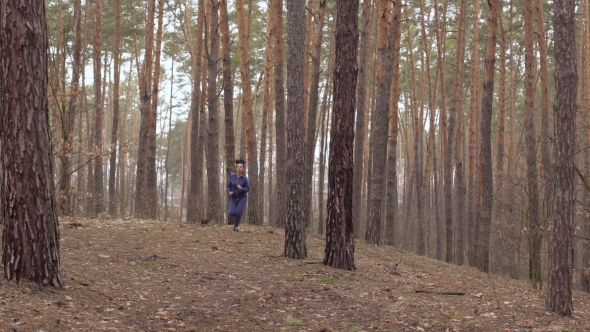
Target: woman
237, 189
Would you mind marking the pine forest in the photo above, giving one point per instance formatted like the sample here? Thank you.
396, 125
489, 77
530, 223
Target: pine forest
455, 130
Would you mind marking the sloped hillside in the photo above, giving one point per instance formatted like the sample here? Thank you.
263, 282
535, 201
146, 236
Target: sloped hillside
141, 275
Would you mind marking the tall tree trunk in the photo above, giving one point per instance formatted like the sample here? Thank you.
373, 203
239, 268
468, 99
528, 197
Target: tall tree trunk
152, 175
68, 132
361, 107
201, 169
322, 163
515, 64
339, 252
417, 108
214, 204
115, 126
487, 179
431, 159
295, 246
391, 213
472, 225
195, 186
307, 63
123, 151
325, 128
271, 199
383, 70
545, 135
280, 116
314, 91
585, 274
248, 114
228, 91
500, 174
443, 117
98, 193
533, 224
266, 105
559, 289
168, 139
30, 239
457, 100
500, 154
143, 207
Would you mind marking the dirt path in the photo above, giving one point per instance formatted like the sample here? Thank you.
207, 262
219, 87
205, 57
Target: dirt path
153, 276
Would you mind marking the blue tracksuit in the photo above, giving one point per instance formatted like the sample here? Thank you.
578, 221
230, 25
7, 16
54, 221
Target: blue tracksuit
237, 201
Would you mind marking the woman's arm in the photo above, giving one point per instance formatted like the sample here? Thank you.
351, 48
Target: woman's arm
228, 187
246, 186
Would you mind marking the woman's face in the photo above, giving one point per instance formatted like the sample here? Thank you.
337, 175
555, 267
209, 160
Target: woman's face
240, 168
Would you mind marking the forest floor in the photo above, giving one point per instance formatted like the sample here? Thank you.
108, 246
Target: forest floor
144, 275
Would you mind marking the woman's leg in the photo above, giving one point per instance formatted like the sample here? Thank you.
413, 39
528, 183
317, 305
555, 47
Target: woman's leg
239, 210
232, 207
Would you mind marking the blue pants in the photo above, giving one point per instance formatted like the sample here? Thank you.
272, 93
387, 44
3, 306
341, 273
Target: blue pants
236, 208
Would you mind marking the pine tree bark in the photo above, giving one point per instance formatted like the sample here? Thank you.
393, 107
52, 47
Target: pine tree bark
326, 116
431, 145
98, 189
228, 90
30, 239
193, 212
295, 246
280, 117
112, 200
416, 102
266, 104
168, 139
322, 163
152, 175
431, 168
457, 100
443, 118
559, 288
500, 151
214, 203
391, 213
534, 232
472, 224
544, 80
487, 179
585, 274
361, 107
314, 91
383, 70
339, 252
248, 115
143, 206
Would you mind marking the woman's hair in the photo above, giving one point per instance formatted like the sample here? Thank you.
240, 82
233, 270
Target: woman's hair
240, 161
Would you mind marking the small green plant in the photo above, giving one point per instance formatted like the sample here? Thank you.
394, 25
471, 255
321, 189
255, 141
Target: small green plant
293, 321
294, 277
354, 329
155, 264
329, 280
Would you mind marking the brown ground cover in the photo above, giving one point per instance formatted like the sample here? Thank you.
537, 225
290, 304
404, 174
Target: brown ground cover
143, 275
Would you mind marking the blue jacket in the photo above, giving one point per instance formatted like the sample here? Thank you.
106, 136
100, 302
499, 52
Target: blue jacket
232, 185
